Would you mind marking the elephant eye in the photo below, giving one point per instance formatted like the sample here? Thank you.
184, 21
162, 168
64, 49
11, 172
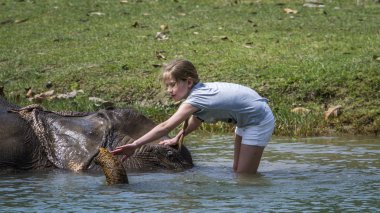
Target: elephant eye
100, 115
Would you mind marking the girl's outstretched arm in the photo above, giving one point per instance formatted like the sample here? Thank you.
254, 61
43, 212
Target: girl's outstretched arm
162, 129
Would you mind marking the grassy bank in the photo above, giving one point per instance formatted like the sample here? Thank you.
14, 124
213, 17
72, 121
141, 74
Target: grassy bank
309, 57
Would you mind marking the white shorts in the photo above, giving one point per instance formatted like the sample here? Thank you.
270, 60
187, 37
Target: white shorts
257, 135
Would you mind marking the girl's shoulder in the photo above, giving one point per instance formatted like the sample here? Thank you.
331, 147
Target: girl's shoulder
225, 86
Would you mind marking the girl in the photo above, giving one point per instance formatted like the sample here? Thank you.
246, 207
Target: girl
211, 102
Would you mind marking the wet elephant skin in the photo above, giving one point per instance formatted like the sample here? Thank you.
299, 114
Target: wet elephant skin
33, 138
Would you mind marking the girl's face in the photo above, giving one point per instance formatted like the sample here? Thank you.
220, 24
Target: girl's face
178, 90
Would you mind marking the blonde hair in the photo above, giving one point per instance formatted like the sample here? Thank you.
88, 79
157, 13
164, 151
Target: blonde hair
180, 69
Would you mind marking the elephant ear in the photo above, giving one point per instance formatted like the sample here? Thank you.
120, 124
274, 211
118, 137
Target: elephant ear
69, 141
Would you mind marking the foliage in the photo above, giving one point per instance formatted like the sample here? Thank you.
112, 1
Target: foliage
314, 58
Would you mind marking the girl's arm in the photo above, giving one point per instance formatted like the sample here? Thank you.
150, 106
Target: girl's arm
194, 123
162, 129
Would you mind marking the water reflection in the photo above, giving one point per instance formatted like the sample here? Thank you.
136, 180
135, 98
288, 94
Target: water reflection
311, 174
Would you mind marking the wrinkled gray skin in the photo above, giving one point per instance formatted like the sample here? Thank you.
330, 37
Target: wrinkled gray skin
33, 138
19, 146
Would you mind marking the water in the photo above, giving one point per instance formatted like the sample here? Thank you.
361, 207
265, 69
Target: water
323, 174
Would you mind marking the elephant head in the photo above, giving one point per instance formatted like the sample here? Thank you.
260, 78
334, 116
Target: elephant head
71, 140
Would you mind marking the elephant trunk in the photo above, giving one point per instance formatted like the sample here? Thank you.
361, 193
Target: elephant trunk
112, 167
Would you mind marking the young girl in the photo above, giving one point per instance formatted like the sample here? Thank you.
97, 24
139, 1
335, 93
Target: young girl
211, 102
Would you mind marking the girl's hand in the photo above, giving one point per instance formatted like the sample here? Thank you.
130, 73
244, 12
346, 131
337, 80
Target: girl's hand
169, 142
126, 150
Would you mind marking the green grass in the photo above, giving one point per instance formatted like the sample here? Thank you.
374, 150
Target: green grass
315, 58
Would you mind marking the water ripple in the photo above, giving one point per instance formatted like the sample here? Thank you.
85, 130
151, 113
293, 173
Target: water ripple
324, 174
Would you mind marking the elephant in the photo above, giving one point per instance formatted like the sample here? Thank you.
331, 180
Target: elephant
32, 138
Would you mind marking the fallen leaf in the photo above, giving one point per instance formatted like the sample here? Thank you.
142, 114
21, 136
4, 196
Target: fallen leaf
95, 99
157, 65
224, 38
101, 102
96, 14
159, 55
192, 27
290, 11
11, 21
248, 45
18, 21
42, 96
300, 110
332, 111
48, 93
164, 27
136, 24
29, 92
161, 36
68, 95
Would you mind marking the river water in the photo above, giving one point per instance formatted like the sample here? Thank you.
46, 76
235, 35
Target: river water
322, 174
